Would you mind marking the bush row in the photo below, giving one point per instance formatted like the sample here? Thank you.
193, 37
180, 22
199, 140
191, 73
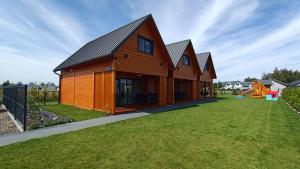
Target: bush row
292, 96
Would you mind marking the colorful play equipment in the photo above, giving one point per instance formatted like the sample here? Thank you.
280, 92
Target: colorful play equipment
259, 90
272, 95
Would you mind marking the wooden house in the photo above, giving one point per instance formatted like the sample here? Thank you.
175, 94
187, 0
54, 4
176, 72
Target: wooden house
130, 67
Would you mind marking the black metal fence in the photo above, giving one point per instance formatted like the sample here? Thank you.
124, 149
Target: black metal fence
15, 101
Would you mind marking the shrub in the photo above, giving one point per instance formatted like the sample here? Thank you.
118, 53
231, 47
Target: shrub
235, 92
292, 96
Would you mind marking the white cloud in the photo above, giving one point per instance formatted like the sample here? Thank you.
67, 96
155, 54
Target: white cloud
16, 67
63, 25
238, 33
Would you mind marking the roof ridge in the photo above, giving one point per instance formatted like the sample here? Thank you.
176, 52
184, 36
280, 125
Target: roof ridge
202, 53
278, 81
121, 27
136, 22
178, 42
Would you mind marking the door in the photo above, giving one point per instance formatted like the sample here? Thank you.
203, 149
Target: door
126, 91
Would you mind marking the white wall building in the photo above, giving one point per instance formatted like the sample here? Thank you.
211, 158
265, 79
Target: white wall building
278, 86
227, 86
237, 85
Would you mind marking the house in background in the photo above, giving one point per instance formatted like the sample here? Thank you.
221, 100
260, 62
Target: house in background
131, 67
295, 83
237, 85
246, 85
227, 86
274, 85
208, 73
183, 81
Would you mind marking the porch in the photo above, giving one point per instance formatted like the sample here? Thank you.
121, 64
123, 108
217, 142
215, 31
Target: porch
135, 92
206, 89
183, 90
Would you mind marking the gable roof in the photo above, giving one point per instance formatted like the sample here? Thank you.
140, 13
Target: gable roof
103, 46
202, 60
294, 83
176, 50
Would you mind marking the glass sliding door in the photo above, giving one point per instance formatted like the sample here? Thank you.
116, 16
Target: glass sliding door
126, 90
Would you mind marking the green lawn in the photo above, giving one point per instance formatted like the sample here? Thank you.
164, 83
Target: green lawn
73, 113
230, 133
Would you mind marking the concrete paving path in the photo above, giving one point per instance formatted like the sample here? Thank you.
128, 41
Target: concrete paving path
44, 132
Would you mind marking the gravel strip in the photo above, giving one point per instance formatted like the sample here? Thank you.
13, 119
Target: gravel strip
6, 124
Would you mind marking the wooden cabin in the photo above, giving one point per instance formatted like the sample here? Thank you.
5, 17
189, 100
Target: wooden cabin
183, 81
208, 74
129, 68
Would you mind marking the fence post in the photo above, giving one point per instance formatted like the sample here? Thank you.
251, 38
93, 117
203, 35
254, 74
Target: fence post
25, 108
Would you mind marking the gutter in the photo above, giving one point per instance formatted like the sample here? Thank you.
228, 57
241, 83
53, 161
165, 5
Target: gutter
56, 73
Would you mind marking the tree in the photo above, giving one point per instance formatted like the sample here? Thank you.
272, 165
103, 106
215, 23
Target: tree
7, 83
283, 75
249, 79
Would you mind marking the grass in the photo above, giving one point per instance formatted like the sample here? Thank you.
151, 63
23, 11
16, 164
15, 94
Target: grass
231, 133
71, 112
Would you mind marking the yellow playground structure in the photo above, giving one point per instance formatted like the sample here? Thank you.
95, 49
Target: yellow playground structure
259, 90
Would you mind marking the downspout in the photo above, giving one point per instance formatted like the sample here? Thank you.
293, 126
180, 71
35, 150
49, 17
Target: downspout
59, 91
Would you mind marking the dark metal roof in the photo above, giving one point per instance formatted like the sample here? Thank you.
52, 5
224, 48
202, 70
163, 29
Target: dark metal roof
267, 82
103, 46
202, 60
278, 81
294, 83
176, 50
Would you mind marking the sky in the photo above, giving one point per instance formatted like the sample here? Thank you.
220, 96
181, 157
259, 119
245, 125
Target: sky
245, 37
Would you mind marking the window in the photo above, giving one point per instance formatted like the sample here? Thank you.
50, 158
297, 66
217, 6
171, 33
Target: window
145, 45
186, 60
206, 67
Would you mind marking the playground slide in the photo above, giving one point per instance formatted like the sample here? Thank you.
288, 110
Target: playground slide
245, 92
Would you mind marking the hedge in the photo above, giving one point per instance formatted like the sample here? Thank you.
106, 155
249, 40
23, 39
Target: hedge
292, 96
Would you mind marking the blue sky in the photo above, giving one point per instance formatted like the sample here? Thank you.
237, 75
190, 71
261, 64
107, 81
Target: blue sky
246, 37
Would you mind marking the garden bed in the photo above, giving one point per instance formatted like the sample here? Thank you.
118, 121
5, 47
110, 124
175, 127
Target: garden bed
44, 118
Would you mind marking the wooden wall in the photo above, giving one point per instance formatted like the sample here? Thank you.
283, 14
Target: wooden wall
80, 86
162, 92
138, 62
191, 72
67, 88
207, 76
170, 86
187, 72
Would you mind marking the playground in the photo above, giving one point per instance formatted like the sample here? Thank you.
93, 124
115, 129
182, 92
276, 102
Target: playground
259, 91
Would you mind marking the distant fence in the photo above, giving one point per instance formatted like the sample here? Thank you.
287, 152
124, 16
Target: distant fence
15, 101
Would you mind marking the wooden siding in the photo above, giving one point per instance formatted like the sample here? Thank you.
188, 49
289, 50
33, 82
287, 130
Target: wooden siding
99, 96
78, 86
207, 76
109, 91
67, 88
170, 85
138, 62
84, 92
195, 91
187, 72
162, 91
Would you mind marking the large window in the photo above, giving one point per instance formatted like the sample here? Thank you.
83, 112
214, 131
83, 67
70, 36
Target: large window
186, 60
145, 45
